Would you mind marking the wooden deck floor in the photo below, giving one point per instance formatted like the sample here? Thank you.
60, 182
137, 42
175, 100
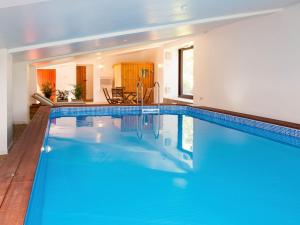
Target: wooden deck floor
18, 168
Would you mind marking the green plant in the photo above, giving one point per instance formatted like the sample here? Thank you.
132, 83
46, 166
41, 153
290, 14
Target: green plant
62, 95
77, 92
47, 89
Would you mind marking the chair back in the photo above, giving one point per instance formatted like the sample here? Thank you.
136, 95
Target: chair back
106, 94
42, 99
148, 95
118, 92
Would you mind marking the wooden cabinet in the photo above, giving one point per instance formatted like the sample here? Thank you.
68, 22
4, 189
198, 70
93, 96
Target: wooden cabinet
127, 75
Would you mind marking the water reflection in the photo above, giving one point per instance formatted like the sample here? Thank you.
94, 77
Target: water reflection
159, 142
84, 121
195, 172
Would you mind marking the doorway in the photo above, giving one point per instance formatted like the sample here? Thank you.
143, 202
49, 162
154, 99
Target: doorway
81, 79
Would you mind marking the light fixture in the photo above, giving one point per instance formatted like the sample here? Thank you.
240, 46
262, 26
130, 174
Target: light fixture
160, 65
100, 66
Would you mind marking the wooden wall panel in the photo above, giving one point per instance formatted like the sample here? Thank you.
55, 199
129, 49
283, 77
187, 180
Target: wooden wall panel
131, 75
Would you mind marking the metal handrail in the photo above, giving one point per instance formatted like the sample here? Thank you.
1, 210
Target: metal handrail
156, 84
139, 130
157, 131
139, 88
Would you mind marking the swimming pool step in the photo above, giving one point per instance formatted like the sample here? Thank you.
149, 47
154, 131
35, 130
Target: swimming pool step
150, 111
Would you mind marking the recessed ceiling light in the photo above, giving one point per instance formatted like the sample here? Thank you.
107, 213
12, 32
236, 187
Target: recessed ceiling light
99, 53
125, 40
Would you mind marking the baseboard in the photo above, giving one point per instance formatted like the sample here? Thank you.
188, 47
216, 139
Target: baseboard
20, 122
10, 145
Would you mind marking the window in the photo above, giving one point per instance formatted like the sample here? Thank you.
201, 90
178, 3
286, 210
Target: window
185, 133
186, 72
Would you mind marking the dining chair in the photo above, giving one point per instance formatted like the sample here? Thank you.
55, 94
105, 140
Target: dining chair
108, 98
118, 94
148, 95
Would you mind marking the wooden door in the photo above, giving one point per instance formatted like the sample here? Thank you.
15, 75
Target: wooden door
81, 79
47, 75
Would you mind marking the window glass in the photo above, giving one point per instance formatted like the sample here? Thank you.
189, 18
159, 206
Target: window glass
186, 72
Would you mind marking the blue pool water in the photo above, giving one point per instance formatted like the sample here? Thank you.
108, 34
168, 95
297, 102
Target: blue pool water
162, 170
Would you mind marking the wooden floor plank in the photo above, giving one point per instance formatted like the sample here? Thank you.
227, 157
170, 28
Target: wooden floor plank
12, 218
3, 189
18, 168
17, 196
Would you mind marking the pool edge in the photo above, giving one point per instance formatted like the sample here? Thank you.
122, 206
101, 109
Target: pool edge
17, 182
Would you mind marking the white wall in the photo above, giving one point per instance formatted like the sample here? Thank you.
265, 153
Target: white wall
89, 81
20, 89
24, 85
9, 102
159, 73
6, 128
65, 75
32, 84
252, 66
171, 71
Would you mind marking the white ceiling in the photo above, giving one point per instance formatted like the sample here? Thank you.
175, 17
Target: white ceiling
52, 50
12, 3
34, 29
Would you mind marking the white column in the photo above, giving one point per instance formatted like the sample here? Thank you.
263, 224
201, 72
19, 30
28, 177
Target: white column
6, 127
20, 93
32, 84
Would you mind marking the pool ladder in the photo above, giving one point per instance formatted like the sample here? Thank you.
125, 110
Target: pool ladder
141, 122
154, 112
140, 97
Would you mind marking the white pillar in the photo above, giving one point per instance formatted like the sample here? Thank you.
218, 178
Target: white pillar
6, 127
32, 84
20, 93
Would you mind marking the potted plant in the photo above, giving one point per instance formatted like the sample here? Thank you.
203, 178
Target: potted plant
47, 89
77, 92
62, 96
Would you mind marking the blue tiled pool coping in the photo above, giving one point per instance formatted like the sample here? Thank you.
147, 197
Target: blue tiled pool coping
268, 130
